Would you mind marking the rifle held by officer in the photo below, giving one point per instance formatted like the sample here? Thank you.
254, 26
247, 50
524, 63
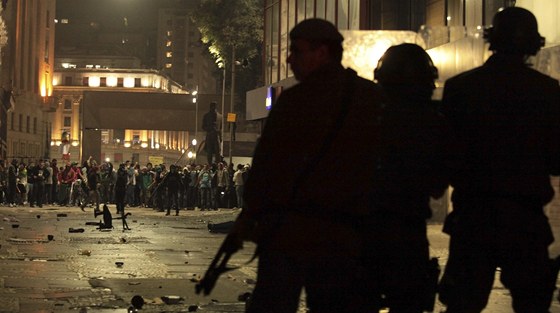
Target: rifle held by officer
232, 243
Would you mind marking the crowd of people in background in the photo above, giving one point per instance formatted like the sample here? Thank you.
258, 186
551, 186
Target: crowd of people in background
161, 187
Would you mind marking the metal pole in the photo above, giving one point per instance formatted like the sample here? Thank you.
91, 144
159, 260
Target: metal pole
196, 114
223, 107
231, 102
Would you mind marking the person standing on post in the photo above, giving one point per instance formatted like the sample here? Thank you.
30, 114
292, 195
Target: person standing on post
211, 124
309, 239
504, 115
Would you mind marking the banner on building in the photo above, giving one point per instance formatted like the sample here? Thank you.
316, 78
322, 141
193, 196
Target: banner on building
155, 160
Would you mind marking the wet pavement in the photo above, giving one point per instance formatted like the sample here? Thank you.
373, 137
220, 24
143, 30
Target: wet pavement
162, 259
162, 256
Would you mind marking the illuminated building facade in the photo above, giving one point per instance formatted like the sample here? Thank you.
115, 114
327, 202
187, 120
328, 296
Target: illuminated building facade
116, 144
26, 78
181, 55
163, 55
451, 31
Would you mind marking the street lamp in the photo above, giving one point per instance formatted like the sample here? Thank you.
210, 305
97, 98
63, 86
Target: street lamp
194, 100
192, 153
231, 102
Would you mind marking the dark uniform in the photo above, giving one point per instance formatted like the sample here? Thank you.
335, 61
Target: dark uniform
173, 183
308, 194
12, 182
504, 115
120, 188
411, 162
40, 174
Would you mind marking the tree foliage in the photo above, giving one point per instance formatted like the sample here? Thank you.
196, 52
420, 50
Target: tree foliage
228, 24
225, 24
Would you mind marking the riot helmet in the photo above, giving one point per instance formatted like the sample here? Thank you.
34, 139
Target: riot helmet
406, 64
514, 31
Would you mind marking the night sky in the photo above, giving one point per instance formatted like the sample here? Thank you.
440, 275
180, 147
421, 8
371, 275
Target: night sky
140, 13
95, 21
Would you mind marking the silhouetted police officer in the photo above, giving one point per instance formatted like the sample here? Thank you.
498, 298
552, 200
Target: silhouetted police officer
504, 115
308, 211
410, 167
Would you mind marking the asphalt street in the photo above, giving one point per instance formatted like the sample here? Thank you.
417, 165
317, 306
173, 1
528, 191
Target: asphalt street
162, 259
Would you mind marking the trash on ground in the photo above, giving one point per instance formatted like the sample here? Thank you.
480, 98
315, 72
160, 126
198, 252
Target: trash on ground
220, 228
137, 302
171, 299
192, 308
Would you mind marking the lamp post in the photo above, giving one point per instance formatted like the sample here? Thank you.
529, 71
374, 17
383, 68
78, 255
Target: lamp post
231, 102
193, 155
195, 101
222, 124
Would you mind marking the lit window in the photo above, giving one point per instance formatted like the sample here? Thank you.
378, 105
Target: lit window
169, 33
168, 65
64, 21
168, 43
111, 81
128, 82
145, 82
169, 54
94, 81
